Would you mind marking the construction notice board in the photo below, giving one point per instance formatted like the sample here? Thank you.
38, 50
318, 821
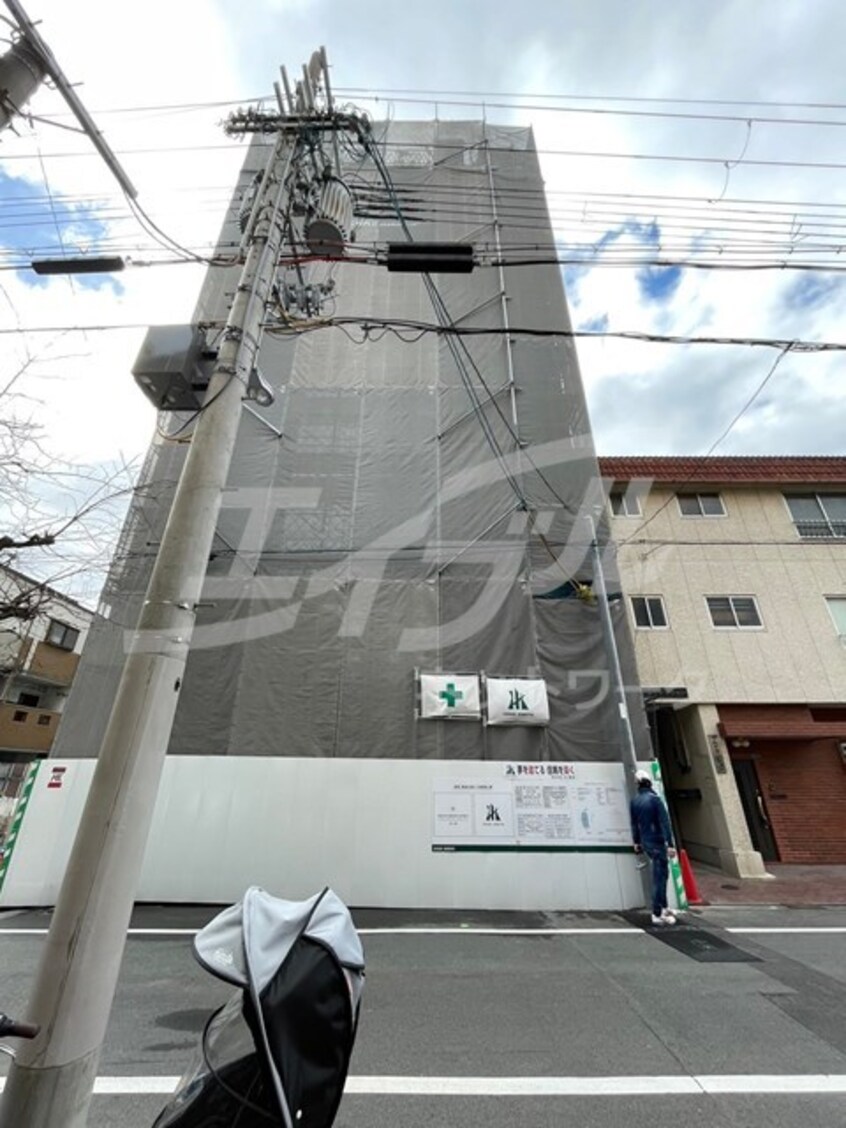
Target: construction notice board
548, 806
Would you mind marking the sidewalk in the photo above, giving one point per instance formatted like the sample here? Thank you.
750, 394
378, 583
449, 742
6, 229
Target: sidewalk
789, 885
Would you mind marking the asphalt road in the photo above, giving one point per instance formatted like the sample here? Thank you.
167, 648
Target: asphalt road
467, 1022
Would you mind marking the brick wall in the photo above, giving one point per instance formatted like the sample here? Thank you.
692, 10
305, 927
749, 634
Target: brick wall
781, 722
804, 789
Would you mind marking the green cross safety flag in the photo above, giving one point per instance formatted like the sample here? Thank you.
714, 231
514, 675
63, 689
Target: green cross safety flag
450, 696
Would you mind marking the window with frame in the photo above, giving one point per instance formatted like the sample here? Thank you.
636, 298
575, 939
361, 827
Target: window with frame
62, 635
734, 611
701, 505
649, 612
818, 515
837, 609
624, 504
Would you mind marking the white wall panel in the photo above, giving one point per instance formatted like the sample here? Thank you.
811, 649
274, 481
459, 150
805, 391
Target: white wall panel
291, 825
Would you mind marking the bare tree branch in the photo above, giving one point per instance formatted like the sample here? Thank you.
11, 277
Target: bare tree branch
59, 519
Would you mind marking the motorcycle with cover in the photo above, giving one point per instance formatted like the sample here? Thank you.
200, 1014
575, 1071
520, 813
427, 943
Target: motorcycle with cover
277, 1053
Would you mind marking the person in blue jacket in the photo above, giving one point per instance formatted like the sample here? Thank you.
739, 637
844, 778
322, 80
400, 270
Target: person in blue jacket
653, 836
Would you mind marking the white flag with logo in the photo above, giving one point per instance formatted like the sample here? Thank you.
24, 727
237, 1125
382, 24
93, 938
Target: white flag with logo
450, 695
517, 701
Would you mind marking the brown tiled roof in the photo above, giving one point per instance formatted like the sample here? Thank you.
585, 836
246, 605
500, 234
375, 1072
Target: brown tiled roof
770, 470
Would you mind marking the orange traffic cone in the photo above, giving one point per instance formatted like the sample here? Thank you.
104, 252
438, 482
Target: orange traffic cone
690, 886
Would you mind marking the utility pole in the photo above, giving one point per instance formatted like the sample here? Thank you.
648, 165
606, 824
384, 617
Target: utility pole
50, 1083
22, 71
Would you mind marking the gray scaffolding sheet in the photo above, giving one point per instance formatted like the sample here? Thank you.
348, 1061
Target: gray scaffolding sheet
405, 504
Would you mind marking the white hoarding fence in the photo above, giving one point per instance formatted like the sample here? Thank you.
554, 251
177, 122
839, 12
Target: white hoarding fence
363, 826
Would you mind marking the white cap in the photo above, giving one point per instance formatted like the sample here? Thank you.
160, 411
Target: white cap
643, 777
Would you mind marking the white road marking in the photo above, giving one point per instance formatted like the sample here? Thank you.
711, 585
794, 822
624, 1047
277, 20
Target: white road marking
596, 1086
778, 931
750, 930
130, 932
386, 931
636, 1085
474, 931
134, 1086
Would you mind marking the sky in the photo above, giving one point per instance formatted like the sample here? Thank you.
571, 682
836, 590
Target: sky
739, 99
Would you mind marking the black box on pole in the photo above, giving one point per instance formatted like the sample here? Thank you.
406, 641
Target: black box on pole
431, 258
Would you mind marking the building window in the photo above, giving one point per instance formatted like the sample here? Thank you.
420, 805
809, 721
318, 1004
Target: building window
624, 504
818, 515
649, 611
31, 700
44, 718
701, 505
11, 779
837, 609
20, 716
736, 611
62, 635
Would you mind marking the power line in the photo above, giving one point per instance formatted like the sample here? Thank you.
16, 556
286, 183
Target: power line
29, 330
670, 542
169, 151
593, 199
745, 119
636, 99
770, 373
481, 97
399, 325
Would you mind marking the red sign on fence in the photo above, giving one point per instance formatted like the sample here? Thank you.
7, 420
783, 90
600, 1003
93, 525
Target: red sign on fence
56, 777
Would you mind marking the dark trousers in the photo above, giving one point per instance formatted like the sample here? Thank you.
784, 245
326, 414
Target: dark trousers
657, 855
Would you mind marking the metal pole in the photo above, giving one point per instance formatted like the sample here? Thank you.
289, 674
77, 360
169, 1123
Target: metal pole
601, 590
50, 1084
629, 746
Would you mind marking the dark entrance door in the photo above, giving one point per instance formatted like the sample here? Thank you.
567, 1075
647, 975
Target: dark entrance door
753, 807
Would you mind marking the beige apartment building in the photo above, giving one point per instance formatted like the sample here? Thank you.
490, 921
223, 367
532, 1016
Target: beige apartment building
39, 654
733, 573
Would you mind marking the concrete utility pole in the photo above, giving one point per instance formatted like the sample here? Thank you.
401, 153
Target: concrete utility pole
50, 1084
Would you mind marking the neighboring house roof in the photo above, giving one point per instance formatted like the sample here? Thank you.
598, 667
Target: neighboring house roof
782, 470
24, 581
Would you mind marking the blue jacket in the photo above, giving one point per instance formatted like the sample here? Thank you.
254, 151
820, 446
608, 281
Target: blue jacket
650, 821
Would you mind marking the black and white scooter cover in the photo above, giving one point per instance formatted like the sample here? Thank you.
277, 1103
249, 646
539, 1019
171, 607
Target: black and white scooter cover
301, 965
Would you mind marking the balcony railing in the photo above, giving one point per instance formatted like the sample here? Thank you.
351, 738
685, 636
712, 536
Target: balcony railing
41, 661
820, 529
52, 664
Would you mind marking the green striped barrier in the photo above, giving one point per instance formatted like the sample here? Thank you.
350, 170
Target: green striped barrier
675, 864
17, 819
